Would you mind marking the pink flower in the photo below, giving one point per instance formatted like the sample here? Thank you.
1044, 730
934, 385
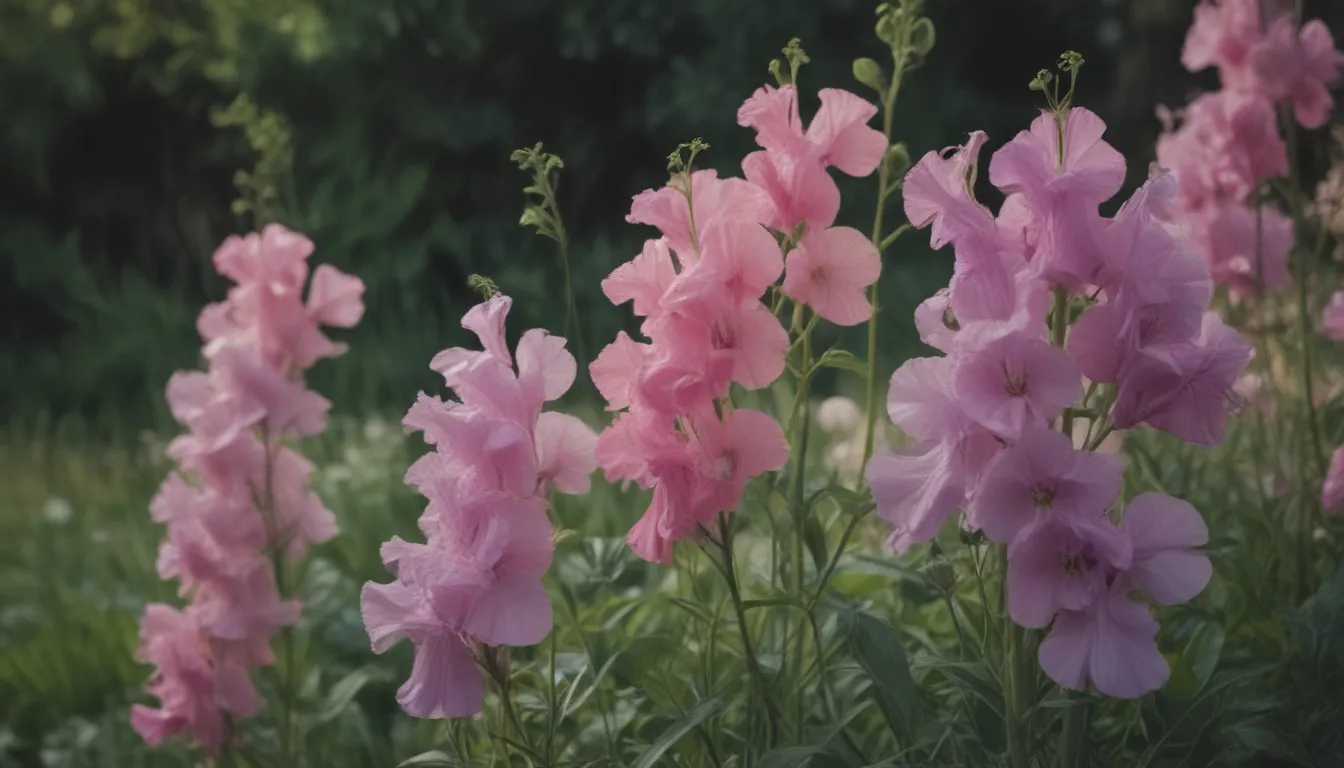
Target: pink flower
1062, 563
1223, 35
1332, 322
1332, 491
643, 280
1298, 67
1228, 142
1062, 173
938, 191
792, 167
738, 262
716, 200
196, 686
1164, 532
1016, 382
830, 270
916, 492
477, 580
1246, 249
615, 370
248, 497
1183, 388
1043, 476
1111, 644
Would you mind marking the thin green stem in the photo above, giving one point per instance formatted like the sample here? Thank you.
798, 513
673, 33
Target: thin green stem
729, 571
1073, 741
1304, 269
551, 699
277, 546
879, 242
1014, 687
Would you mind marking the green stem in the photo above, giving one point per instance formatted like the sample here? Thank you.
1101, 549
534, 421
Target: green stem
551, 697
1014, 688
1073, 742
1304, 266
277, 544
730, 576
883, 190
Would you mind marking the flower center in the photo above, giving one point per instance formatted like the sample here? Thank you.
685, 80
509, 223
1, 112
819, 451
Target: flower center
1015, 386
1043, 498
1076, 565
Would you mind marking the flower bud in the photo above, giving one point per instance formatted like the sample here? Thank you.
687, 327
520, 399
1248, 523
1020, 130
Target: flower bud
869, 73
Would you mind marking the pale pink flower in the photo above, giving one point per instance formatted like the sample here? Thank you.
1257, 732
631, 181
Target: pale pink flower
1299, 67
1227, 143
1016, 382
792, 167
1043, 476
1165, 532
1183, 388
1062, 173
1223, 35
195, 685
830, 270
477, 580
1112, 644
938, 190
1062, 563
644, 279
716, 201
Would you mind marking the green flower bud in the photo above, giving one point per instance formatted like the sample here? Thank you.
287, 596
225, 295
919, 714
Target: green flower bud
869, 73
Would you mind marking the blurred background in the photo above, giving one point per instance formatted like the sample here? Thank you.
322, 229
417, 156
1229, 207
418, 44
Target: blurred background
116, 184
394, 121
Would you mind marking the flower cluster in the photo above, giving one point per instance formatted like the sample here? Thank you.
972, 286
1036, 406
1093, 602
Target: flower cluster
1228, 141
240, 498
477, 580
1012, 366
699, 289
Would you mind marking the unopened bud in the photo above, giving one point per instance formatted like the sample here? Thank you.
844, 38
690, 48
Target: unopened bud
897, 159
869, 73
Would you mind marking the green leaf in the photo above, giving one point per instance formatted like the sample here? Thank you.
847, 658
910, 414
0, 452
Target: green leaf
694, 609
876, 648
843, 359
973, 679
815, 539
700, 713
345, 690
790, 601
789, 757
432, 757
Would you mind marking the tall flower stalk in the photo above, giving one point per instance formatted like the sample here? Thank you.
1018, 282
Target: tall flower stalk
239, 510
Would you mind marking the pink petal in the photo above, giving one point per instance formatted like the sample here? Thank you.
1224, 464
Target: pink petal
566, 452
773, 113
1172, 576
516, 611
335, 298
842, 136
1156, 521
759, 343
757, 441
391, 612
486, 320
1125, 662
937, 191
545, 367
920, 400
830, 271
616, 369
643, 279
444, 681
916, 493
1066, 652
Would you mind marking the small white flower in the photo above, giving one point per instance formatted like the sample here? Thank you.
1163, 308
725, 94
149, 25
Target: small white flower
375, 429
838, 414
57, 511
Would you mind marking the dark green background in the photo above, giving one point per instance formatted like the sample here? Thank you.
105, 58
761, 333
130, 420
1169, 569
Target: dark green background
115, 188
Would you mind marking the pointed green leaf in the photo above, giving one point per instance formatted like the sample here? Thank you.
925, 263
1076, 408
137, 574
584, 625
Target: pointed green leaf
876, 648
674, 733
